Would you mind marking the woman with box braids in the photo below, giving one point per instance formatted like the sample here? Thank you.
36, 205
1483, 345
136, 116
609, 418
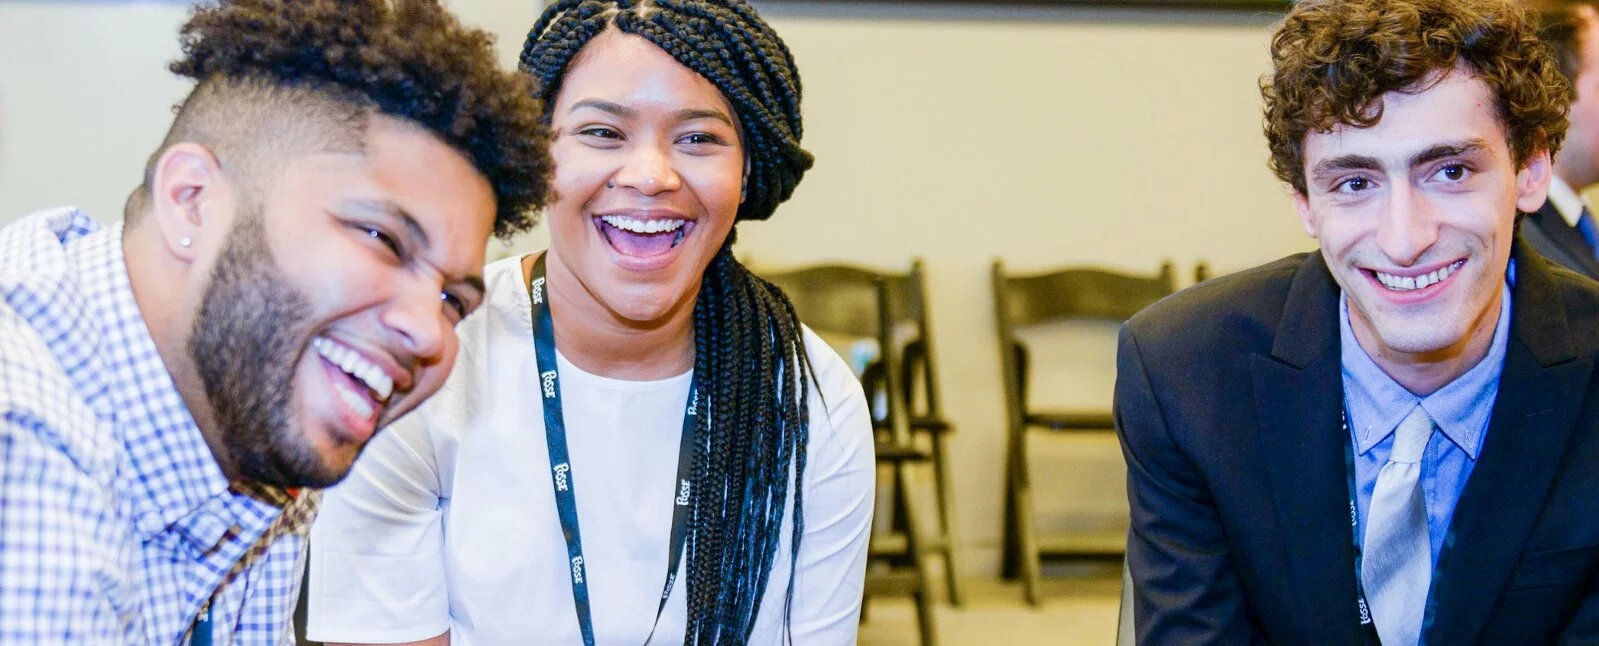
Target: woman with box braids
747, 337
657, 363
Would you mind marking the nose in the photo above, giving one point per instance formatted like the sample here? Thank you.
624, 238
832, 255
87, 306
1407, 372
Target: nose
1408, 226
648, 169
415, 313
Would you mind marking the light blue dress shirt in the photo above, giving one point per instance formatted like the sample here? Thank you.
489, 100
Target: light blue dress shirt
1461, 409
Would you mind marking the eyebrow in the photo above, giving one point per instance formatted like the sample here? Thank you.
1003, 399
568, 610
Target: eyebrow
617, 109
1454, 149
603, 106
1345, 162
692, 114
1431, 154
414, 228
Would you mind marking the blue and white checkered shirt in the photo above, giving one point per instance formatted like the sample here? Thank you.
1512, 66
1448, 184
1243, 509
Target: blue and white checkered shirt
116, 524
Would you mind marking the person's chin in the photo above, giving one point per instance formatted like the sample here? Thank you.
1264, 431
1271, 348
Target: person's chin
646, 303
327, 435
1418, 334
310, 456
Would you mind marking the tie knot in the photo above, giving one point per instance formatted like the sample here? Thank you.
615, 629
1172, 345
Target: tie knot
1410, 440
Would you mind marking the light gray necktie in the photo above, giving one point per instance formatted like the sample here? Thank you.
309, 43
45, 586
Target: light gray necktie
1396, 567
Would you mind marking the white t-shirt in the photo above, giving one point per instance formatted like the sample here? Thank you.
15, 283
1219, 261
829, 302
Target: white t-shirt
448, 520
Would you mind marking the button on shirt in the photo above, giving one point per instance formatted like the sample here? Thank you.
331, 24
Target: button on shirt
1461, 409
116, 524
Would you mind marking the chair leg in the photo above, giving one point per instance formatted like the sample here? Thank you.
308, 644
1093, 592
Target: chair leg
1031, 574
946, 518
1010, 565
924, 619
899, 517
1021, 501
918, 546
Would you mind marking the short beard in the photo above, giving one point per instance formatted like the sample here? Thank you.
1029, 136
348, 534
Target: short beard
252, 328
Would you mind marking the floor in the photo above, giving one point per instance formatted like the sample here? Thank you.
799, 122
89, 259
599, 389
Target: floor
1080, 609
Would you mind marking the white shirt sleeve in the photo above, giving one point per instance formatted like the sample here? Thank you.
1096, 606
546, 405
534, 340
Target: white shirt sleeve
840, 489
377, 548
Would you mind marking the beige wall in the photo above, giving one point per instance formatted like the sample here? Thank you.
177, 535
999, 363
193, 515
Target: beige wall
85, 95
1043, 137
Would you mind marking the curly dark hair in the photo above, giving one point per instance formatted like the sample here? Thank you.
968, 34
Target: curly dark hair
408, 59
1333, 60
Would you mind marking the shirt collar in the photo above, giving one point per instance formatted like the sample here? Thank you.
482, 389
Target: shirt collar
173, 478
1461, 409
1565, 200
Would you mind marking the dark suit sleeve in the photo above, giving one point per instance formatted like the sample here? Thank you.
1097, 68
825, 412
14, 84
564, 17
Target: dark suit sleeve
1185, 588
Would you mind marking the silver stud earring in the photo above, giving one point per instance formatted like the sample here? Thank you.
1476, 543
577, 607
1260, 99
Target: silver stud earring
610, 183
185, 243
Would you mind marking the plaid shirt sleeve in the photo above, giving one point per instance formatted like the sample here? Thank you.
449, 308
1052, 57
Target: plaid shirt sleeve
64, 555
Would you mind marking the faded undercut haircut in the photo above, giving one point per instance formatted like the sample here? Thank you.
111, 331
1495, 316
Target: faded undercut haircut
280, 78
1333, 60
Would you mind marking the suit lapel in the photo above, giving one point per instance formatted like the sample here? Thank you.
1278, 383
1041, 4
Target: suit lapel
1540, 391
1298, 395
1568, 238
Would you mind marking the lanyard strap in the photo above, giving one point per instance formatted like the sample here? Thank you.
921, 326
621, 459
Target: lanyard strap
1354, 523
201, 635
561, 464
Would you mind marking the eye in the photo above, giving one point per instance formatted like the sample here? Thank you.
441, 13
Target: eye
702, 138
1354, 185
454, 304
384, 238
1453, 172
602, 132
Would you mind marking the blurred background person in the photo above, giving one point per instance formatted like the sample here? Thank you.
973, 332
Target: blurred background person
1563, 228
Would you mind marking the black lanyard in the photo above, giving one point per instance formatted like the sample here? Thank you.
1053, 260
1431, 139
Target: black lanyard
561, 464
1354, 522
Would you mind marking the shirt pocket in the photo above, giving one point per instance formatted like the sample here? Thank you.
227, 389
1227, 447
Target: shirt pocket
1556, 567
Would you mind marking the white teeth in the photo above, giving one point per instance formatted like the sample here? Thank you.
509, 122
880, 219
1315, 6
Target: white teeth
352, 363
357, 403
637, 225
1409, 283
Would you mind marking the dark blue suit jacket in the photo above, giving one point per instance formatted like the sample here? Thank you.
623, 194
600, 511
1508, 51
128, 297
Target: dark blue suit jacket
1227, 404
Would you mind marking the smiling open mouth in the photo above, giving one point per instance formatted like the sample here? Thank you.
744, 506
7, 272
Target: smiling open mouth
1412, 283
643, 238
365, 387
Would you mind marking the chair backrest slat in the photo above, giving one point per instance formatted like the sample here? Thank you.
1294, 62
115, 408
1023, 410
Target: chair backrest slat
1063, 295
844, 300
833, 299
1083, 293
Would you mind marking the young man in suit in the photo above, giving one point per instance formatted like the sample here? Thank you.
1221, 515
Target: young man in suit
1563, 229
1397, 436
